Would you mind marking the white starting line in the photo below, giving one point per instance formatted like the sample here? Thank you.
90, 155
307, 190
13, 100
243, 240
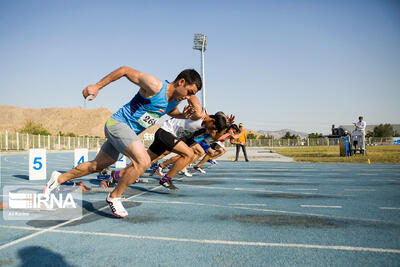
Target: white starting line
389, 208
321, 206
360, 190
303, 189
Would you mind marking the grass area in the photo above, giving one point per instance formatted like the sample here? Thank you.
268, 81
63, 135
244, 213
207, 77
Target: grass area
376, 154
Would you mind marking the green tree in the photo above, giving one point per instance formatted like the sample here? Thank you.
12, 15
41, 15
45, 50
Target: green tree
263, 136
251, 136
31, 127
289, 136
315, 135
66, 134
384, 130
369, 134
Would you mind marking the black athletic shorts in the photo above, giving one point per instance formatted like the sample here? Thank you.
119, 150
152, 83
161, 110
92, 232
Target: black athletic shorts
189, 141
163, 141
213, 145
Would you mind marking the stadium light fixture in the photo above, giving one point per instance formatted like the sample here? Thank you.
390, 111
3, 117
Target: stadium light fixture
200, 43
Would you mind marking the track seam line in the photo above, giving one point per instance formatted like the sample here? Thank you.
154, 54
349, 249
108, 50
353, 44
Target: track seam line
217, 242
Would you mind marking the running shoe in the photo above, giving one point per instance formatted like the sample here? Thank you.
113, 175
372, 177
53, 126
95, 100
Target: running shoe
157, 169
52, 183
116, 207
83, 187
213, 161
186, 173
111, 181
199, 169
167, 183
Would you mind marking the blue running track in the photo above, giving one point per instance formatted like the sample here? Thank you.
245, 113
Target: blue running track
238, 214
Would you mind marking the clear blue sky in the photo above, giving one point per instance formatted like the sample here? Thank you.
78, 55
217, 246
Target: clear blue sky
302, 65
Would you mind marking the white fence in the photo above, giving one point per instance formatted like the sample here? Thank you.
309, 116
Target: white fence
323, 141
20, 142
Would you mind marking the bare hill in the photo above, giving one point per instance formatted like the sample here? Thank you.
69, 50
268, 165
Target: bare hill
79, 121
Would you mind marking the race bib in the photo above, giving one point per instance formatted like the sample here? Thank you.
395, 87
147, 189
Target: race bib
148, 119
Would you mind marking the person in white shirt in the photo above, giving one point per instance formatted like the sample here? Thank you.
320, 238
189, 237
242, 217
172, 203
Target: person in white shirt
360, 127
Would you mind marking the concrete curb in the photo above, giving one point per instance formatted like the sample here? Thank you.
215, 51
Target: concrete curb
255, 154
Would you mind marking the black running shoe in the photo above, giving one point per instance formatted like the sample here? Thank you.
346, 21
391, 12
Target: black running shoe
111, 181
167, 183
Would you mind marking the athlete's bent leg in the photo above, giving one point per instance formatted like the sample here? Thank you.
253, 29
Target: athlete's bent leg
186, 155
137, 153
198, 152
170, 161
102, 161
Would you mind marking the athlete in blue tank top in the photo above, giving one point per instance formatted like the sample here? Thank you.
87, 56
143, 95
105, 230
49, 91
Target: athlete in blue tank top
154, 99
142, 112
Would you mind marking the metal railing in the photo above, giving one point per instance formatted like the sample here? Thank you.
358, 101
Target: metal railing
21, 142
323, 141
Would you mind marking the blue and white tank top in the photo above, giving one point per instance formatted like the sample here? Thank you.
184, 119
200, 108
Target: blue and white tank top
204, 137
142, 112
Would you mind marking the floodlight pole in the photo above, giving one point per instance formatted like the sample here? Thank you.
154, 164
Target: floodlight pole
200, 43
203, 78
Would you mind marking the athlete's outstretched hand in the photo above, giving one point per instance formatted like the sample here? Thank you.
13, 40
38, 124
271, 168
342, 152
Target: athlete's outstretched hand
188, 111
92, 90
230, 119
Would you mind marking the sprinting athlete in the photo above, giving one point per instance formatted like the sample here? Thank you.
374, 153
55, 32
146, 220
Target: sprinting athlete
232, 133
199, 142
154, 99
166, 140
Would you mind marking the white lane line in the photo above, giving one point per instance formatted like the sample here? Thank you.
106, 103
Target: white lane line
389, 208
62, 224
14, 169
340, 180
49, 163
385, 180
248, 204
361, 190
258, 180
214, 242
162, 201
321, 206
255, 189
303, 189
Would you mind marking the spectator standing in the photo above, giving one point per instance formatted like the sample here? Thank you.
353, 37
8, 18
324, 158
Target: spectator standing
360, 127
241, 142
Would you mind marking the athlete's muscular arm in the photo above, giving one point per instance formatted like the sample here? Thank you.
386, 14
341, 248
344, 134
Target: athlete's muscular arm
237, 135
215, 135
149, 85
197, 108
232, 134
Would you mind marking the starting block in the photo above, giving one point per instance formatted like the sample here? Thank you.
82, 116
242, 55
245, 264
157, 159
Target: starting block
37, 164
80, 156
121, 162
